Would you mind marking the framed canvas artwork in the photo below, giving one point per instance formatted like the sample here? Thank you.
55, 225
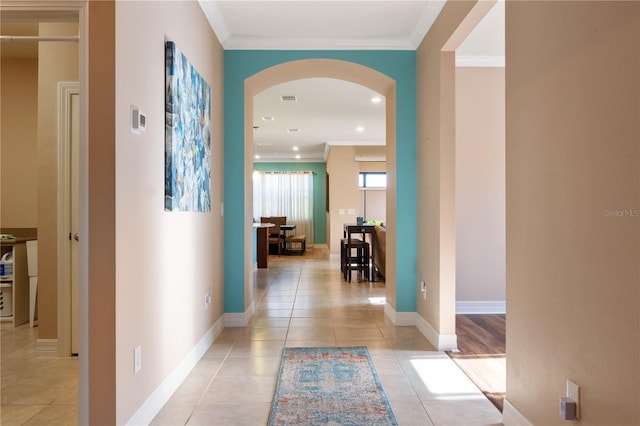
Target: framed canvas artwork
187, 135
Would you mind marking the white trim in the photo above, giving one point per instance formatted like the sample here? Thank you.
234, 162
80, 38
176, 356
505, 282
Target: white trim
400, 319
216, 20
46, 348
239, 319
512, 417
481, 307
152, 406
286, 43
442, 342
428, 17
480, 61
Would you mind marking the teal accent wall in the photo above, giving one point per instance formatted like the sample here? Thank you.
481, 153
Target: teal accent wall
319, 191
242, 64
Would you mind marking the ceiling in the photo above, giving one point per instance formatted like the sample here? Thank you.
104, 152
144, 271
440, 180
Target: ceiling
328, 111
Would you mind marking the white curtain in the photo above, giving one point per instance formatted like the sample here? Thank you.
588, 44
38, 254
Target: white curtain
287, 194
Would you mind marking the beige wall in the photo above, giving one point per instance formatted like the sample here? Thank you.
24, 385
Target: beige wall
19, 143
344, 194
573, 150
480, 185
57, 61
436, 171
165, 261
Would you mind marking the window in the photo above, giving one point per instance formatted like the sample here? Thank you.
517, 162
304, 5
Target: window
373, 187
287, 194
372, 180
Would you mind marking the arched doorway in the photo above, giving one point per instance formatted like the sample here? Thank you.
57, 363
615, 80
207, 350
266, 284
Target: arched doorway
271, 69
316, 68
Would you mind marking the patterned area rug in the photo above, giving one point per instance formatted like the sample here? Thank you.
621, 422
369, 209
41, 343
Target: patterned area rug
329, 386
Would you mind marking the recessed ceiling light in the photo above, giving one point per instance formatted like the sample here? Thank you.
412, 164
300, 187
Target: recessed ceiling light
376, 99
359, 129
268, 118
297, 157
257, 157
295, 148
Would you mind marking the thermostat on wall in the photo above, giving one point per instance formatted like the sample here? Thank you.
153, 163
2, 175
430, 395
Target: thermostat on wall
138, 120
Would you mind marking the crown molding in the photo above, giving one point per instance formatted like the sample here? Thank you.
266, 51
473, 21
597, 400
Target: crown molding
286, 43
428, 17
480, 61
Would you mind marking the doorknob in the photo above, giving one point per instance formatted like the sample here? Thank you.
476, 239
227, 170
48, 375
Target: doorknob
76, 236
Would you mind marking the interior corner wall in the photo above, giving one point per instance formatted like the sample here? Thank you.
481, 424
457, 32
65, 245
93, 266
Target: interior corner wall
19, 147
480, 186
165, 261
436, 173
319, 192
573, 209
57, 61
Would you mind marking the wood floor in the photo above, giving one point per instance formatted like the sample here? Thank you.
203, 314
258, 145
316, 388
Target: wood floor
481, 344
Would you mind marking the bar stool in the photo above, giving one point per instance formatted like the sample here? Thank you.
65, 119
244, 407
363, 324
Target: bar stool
350, 261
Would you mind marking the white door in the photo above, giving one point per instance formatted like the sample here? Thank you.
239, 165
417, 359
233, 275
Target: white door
68, 217
74, 209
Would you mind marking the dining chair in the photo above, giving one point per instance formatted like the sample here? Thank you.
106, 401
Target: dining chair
275, 233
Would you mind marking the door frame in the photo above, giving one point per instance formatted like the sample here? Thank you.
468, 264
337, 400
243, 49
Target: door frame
42, 10
65, 91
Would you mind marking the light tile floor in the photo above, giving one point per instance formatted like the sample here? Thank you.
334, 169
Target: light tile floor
35, 391
304, 302
299, 302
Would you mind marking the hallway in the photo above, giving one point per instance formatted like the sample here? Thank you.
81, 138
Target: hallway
302, 301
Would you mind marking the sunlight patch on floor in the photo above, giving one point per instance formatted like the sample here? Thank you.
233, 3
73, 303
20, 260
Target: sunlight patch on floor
444, 380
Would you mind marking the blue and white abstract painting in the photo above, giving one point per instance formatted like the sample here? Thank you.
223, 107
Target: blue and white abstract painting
188, 135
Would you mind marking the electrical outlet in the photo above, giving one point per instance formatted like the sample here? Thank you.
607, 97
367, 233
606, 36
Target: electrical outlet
573, 392
207, 298
137, 359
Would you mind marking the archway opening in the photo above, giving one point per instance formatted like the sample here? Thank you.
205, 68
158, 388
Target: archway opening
333, 69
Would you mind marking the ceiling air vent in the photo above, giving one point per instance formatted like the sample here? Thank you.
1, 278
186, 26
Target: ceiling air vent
293, 130
288, 98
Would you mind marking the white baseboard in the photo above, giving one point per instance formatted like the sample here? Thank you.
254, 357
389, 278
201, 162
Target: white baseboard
442, 342
46, 348
152, 406
239, 319
400, 319
481, 307
512, 417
